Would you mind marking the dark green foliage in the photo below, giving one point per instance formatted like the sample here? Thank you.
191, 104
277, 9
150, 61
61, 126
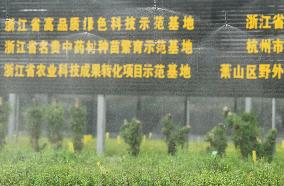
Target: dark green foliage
34, 117
4, 112
266, 149
55, 120
217, 139
78, 123
246, 134
131, 133
173, 134
182, 136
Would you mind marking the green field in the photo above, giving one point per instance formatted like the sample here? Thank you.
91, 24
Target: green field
20, 166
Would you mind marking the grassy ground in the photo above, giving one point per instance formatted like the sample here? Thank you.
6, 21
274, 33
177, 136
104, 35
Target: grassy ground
20, 166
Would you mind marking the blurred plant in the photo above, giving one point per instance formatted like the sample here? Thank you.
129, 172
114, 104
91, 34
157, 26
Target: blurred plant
78, 123
54, 114
246, 136
33, 118
173, 134
4, 112
217, 139
132, 134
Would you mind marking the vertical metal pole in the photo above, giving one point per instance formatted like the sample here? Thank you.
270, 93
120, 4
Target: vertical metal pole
273, 113
101, 124
187, 111
12, 115
248, 104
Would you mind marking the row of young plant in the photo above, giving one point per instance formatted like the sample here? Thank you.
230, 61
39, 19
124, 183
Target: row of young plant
246, 135
53, 115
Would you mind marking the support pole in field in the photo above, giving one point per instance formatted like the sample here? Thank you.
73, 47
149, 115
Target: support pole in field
187, 111
273, 113
101, 124
248, 104
12, 115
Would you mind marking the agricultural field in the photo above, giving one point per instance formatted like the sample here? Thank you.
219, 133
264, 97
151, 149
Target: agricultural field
20, 165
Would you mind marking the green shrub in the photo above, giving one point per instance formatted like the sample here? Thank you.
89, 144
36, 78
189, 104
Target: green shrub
55, 119
33, 118
174, 135
78, 123
132, 134
246, 136
4, 112
266, 149
217, 139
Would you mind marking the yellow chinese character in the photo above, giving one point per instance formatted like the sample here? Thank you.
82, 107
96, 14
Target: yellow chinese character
35, 24
96, 71
252, 46
85, 71
149, 47
264, 22
117, 71
252, 22
74, 70
173, 23
19, 70
55, 47
278, 46
125, 46
225, 71
91, 47
265, 46
128, 70
62, 70
188, 22
137, 47
172, 71
185, 71
106, 71
138, 71
144, 23
251, 72
32, 47
102, 24
88, 24
48, 24
10, 25
43, 47
186, 46
278, 21
148, 71
114, 47
116, 23
161, 47
159, 23
41, 70
9, 70
277, 71
159, 72
79, 47
130, 23
103, 46
239, 72
9, 47
30, 70
74, 24
264, 71
67, 46
173, 47
21, 45
62, 25
51, 71
22, 25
